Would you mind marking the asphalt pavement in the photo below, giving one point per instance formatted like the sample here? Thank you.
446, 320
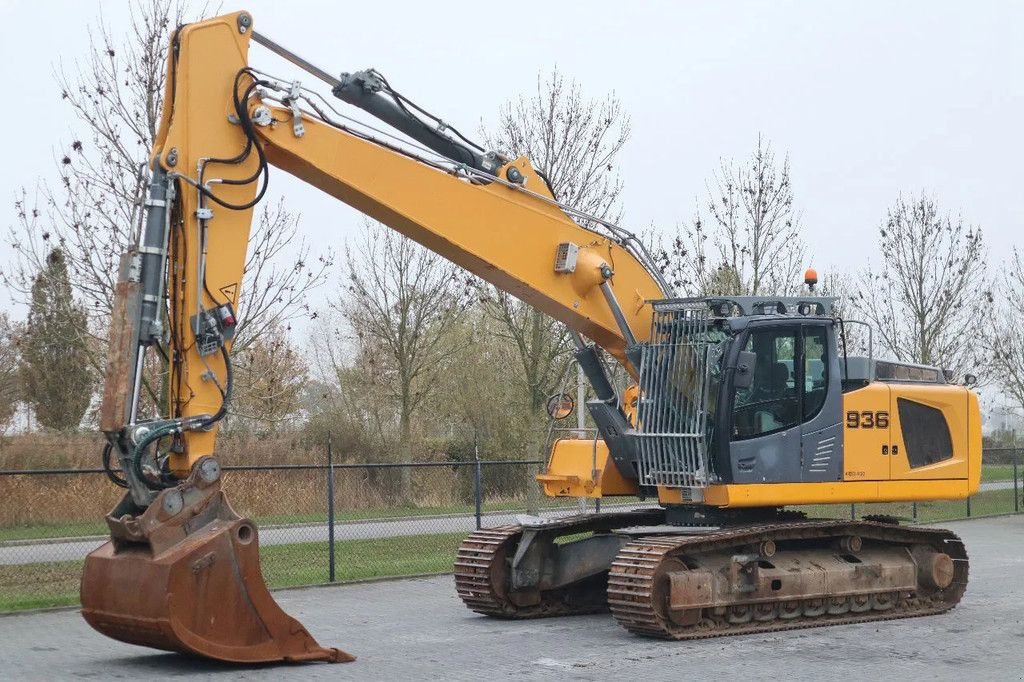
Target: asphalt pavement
418, 629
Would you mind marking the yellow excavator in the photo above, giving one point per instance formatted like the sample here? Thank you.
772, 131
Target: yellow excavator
741, 406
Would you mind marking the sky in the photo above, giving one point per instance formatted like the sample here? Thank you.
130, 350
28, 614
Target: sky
868, 99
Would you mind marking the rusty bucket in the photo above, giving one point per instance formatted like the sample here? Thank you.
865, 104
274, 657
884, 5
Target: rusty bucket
184, 575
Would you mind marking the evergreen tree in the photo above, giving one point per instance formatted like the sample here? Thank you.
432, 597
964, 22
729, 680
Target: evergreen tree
56, 378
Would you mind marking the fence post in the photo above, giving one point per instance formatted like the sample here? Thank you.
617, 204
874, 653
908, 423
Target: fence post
968, 507
477, 493
913, 508
853, 512
330, 511
1016, 491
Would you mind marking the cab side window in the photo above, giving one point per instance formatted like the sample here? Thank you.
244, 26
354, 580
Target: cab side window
815, 370
772, 401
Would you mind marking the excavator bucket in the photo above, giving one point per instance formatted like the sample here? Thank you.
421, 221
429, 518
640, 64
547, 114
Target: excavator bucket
184, 575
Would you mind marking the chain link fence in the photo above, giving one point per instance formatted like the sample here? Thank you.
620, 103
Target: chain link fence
326, 522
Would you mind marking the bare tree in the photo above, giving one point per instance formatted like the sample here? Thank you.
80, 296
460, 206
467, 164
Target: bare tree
278, 276
269, 378
543, 345
9, 363
924, 298
346, 368
746, 240
402, 302
333, 354
1003, 341
574, 141
114, 96
94, 214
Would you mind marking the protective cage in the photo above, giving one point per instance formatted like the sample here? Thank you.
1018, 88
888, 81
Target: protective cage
676, 390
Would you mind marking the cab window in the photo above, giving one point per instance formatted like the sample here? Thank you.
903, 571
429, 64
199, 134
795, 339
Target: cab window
815, 370
790, 381
772, 402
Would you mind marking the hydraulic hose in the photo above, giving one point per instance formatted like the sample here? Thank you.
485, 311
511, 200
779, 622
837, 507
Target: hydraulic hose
179, 425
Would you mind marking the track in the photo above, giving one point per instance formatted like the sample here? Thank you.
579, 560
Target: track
482, 567
481, 579
637, 589
638, 583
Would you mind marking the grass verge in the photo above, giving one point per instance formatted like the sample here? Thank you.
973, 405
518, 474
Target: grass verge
985, 503
74, 529
997, 472
39, 585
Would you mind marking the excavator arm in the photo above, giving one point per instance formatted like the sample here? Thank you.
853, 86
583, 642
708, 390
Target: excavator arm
223, 125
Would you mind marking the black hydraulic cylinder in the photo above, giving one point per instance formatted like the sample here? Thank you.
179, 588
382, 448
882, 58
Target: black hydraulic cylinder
153, 252
611, 422
364, 89
591, 365
368, 91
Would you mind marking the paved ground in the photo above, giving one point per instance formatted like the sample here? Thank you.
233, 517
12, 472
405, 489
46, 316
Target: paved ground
417, 629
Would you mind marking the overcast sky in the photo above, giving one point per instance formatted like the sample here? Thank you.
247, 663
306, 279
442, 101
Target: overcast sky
868, 99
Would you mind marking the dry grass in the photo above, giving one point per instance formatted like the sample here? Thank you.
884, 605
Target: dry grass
66, 500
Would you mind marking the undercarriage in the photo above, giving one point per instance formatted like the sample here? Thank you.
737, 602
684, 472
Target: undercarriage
697, 581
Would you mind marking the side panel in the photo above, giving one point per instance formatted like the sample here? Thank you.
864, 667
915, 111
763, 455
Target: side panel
866, 427
929, 432
920, 468
822, 453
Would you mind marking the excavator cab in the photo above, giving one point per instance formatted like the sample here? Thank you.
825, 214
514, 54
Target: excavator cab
781, 390
754, 402
728, 390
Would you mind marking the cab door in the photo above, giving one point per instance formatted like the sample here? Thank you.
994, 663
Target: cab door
764, 419
929, 438
821, 428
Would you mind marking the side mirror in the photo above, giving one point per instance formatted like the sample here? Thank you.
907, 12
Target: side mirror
744, 375
970, 380
560, 406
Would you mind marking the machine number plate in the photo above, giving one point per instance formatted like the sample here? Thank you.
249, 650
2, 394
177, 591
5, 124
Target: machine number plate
867, 420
